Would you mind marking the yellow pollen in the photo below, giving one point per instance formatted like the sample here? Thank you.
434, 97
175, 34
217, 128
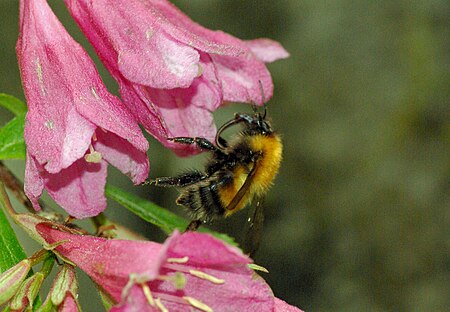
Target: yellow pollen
197, 304
148, 294
206, 276
178, 260
160, 306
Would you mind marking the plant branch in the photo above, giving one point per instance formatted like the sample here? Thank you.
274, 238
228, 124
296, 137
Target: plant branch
15, 186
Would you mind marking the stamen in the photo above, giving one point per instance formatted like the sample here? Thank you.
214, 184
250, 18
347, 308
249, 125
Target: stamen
256, 267
148, 294
206, 276
178, 260
180, 300
197, 304
176, 267
93, 156
160, 306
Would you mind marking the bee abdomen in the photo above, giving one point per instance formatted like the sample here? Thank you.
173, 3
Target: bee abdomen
203, 202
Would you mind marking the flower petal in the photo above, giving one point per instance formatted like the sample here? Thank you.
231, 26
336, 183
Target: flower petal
134, 301
69, 304
103, 109
163, 63
241, 78
267, 50
282, 306
56, 135
143, 53
123, 155
181, 27
108, 262
211, 252
33, 182
79, 188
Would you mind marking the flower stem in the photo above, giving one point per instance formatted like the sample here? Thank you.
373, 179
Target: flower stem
15, 185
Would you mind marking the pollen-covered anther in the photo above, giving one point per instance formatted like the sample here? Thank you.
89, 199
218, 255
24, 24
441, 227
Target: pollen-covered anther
93, 156
197, 304
178, 260
206, 276
256, 267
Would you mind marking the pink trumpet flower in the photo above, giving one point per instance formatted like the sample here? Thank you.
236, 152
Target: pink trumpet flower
172, 72
191, 270
74, 126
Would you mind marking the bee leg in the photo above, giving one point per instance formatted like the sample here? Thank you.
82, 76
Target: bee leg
193, 226
223, 143
201, 143
179, 181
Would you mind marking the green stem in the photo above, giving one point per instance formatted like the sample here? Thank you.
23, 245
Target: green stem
47, 266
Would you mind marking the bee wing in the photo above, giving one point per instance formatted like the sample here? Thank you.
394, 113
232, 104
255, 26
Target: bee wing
243, 190
256, 217
254, 229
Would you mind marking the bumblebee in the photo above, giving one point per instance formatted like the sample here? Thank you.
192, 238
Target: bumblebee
238, 173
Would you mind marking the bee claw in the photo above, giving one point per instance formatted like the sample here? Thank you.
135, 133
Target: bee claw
193, 226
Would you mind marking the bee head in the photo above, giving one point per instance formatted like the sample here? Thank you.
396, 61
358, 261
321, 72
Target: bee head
253, 124
257, 122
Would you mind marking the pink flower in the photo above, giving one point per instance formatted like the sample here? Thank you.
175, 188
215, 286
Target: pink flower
74, 126
172, 72
189, 270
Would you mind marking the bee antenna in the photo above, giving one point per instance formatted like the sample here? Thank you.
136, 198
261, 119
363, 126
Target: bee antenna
263, 99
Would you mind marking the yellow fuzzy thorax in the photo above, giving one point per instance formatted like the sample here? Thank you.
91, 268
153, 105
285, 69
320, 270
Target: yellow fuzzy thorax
270, 148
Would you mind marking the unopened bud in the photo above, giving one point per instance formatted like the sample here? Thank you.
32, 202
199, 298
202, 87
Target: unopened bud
11, 279
65, 284
27, 292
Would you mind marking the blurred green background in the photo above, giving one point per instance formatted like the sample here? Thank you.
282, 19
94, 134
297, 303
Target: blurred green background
358, 218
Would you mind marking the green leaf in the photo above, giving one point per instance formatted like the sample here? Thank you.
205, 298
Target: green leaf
13, 104
11, 252
12, 144
152, 213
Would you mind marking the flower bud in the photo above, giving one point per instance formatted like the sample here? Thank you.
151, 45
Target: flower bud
27, 292
11, 279
65, 284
